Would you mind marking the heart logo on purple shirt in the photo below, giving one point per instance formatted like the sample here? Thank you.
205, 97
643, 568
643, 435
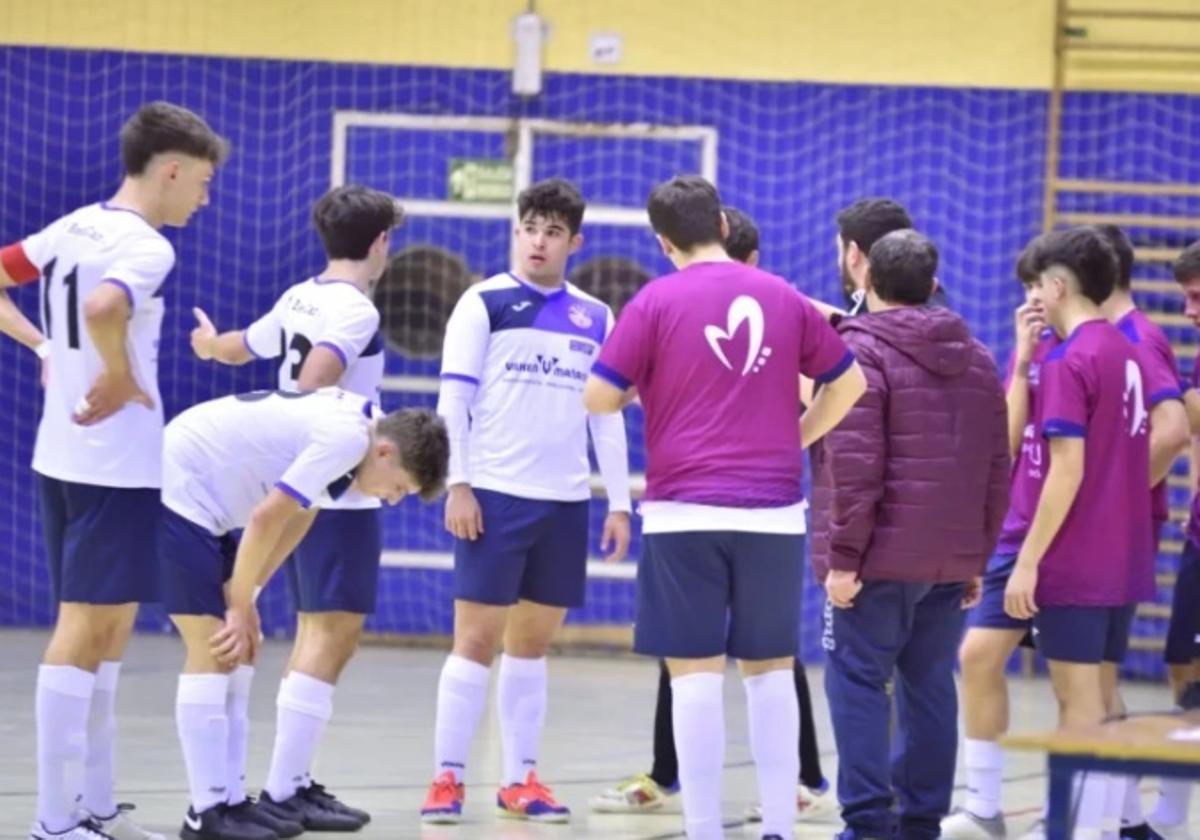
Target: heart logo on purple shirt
743, 310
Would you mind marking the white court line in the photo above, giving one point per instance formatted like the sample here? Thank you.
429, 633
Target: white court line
440, 560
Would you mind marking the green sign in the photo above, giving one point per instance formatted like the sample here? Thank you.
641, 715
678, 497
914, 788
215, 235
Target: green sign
480, 179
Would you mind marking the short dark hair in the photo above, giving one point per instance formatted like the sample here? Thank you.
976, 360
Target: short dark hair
1187, 266
1123, 248
423, 444
1086, 254
742, 240
161, 127
686, 211
903, 266
350, 218
867, 221
1026, 267
553, 198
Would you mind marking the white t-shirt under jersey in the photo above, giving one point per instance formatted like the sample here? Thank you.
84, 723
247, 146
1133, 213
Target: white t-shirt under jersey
529, 351
221, 458
338, 315
76, 254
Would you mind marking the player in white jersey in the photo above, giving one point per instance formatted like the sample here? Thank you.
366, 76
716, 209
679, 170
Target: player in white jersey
102, 270
325, 330
518, 348
264, 461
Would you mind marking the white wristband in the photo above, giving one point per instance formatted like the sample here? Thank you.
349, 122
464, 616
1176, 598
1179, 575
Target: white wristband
43, 350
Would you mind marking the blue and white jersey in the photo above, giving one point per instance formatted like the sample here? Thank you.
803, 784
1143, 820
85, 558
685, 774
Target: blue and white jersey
331, 313
529, 350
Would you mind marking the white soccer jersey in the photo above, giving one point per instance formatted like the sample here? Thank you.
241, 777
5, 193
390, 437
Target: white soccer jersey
333, 313
94, 245
221, 458
530, 352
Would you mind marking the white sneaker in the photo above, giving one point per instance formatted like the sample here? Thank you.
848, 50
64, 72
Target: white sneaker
120, 826
86, 830
1037, 831
963, 825
1172, 832
636, 795
812, 805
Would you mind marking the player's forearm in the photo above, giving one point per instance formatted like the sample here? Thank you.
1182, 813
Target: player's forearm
1168, 437
454, 401
1017, 399
1058, 495
831, 404
14, 324
612, 456
229, 348
292, 534
255, 553
108, 327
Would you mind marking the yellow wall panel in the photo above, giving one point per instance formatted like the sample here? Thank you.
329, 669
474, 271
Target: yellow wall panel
986, 43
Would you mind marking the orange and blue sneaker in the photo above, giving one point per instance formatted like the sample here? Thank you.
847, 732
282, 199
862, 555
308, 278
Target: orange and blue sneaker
443, 805
532, 801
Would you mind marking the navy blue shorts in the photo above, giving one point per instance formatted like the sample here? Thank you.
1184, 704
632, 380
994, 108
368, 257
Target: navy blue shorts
193, 566
1088, 635
1183, 633
336, 566
529, 550
707, 593
100, 541
989, 612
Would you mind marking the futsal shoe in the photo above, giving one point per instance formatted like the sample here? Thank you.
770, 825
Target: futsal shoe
87, 830
964, 825
531, 800
444, 802
120, 826
312, 813
220, 823
812, 805
249, 810
636, 795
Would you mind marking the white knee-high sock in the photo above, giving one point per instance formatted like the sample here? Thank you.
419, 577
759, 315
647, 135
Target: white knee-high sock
698, 712
237, 709
64, 698
521, 703
1114, 803
462, 693
98, 796
203, 726
304, 706
774, 718
984, 762
1174, 801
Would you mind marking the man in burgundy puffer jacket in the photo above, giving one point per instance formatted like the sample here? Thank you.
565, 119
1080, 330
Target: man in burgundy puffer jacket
909, 494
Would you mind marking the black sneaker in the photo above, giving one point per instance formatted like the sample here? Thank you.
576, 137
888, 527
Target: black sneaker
313, 815
248, 809
218, 823
318, 793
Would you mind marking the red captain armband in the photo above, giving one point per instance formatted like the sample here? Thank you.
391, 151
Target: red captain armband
17, 265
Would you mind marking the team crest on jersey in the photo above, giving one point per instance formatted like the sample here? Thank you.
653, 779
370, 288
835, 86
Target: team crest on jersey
579, 316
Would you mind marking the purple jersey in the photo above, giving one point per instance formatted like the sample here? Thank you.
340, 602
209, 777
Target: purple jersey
1092, 388
716, 351
1029, 468
1160, 378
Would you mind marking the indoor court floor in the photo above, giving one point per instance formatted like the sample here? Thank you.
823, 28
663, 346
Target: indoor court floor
377, 751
